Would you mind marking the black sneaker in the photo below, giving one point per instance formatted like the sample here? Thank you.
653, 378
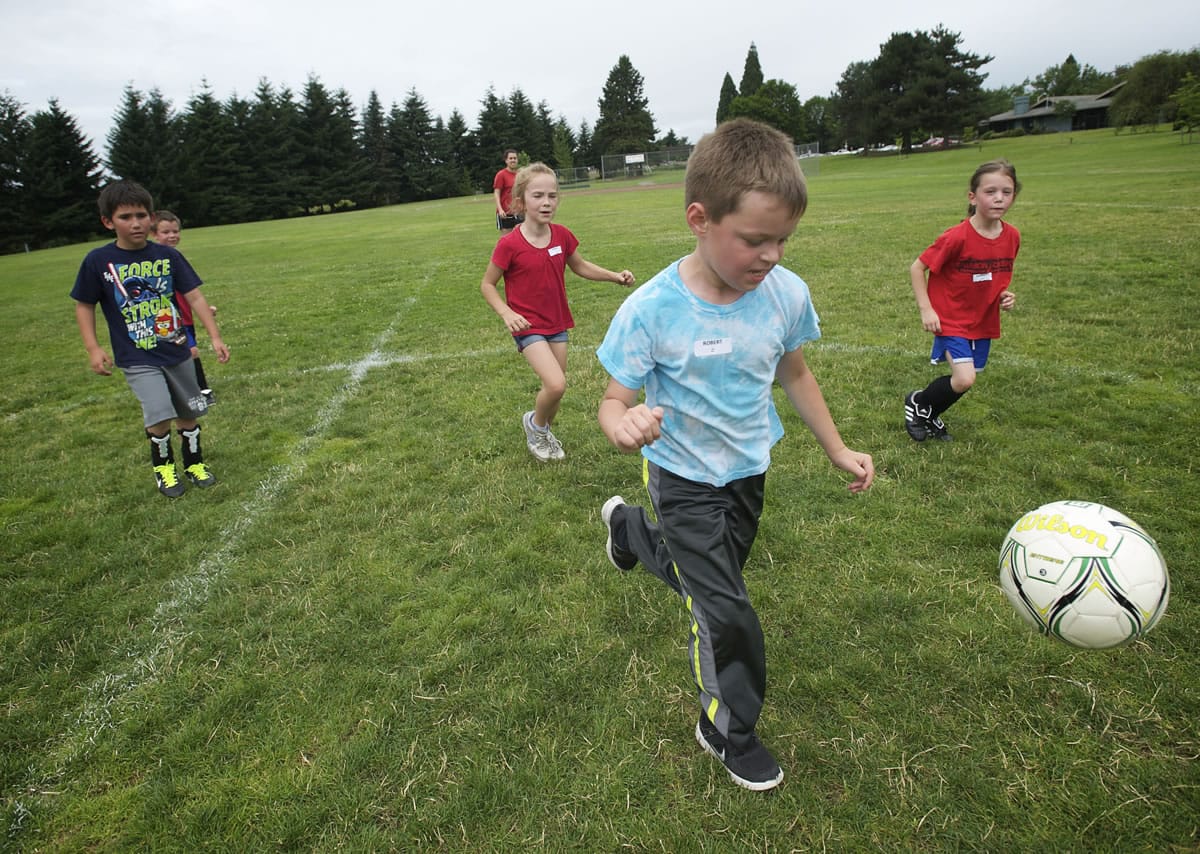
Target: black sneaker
937, 430
754, 768
208, 395
199, 474
916, 417
621, 559
168, 481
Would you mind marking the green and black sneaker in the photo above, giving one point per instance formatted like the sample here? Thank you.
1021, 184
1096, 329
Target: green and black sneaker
168, 481
199, 475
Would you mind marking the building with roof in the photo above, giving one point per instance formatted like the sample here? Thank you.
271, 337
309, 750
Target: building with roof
1050, 113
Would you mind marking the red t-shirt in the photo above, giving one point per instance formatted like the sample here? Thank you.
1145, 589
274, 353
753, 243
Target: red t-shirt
503, 182
534, 281
967, 274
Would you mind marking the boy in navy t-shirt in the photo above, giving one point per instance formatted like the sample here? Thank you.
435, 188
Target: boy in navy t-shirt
133, 281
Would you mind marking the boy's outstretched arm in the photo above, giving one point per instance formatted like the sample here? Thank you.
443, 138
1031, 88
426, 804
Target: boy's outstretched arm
804, 393
85, 317
200, 309
585, 269
628, 424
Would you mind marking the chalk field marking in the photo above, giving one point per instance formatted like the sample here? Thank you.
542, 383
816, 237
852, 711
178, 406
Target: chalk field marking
166, 629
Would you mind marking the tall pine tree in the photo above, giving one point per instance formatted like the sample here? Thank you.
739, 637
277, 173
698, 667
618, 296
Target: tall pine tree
15, 226
62, 175
752, 74
625, 124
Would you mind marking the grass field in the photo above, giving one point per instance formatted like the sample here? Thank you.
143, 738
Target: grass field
389, 628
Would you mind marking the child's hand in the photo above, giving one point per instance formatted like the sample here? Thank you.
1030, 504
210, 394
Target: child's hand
221, 350
515, 322
1007, 300
100, 362
930, 321
626, 278
858, 464
640, 425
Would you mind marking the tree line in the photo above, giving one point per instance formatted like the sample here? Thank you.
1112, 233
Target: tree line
924, 84
280, 154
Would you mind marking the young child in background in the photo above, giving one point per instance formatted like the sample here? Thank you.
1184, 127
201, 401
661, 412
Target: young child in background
166, 228
961, 284
134, 281
707, 338
531, 260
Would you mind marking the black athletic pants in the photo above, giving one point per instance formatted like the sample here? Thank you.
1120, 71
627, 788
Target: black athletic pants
698, 548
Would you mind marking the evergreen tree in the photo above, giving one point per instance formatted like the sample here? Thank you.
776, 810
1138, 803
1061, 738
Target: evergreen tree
129, 146
625, 124
585, 149
329, 161
564, 145
920, 82
62, 178
373, 140
728, 93
213, 171
273, 155
545, 125
411, 138
15, 230
461, 152
524, 131
752, 74
492, 136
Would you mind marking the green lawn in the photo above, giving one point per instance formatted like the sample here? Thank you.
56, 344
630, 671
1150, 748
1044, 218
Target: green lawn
390, 628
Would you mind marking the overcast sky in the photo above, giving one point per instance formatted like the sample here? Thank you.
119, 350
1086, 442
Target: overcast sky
86, 53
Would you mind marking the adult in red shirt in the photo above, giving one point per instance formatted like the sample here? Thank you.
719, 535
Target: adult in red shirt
502, 186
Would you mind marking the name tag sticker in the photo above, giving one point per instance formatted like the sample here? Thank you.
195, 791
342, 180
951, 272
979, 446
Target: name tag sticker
981, 277
557, 250
713, 346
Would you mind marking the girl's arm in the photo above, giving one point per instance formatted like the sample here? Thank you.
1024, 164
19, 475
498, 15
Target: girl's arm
585, 269
930, 321
515, 322
628, 424
805, 395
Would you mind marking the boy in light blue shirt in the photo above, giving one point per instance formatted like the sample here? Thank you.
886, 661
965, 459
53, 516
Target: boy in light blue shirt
707, 338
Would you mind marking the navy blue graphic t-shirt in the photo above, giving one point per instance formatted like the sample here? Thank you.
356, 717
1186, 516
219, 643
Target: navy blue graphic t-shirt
134, 289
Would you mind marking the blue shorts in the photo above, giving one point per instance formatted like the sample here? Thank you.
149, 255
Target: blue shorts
524, 341
190, 331
960, 350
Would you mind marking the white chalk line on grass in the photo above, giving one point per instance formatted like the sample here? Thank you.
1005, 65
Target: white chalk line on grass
166, 629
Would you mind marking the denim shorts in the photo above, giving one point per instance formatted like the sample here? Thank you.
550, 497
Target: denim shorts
524, 341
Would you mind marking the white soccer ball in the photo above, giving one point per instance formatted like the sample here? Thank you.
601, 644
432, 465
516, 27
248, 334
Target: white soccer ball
1084, 573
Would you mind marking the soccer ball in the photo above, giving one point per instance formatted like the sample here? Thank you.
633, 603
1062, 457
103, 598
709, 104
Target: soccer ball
1084, 573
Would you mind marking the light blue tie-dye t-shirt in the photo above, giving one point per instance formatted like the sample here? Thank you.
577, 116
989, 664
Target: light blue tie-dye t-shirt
711, 368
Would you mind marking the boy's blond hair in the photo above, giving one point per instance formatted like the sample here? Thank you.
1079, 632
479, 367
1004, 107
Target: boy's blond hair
524, 176
739, 157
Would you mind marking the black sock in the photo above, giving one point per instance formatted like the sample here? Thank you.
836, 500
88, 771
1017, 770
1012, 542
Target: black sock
190, 445
200, 378
939, 395
160, 449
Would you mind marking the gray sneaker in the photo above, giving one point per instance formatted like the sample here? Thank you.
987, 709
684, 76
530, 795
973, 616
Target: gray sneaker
617, 556
541, 443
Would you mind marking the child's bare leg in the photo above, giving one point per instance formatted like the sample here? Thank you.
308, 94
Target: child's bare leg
549, 362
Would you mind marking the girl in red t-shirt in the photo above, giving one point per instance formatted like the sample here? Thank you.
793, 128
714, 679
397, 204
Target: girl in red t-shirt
531, 260
961, 284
